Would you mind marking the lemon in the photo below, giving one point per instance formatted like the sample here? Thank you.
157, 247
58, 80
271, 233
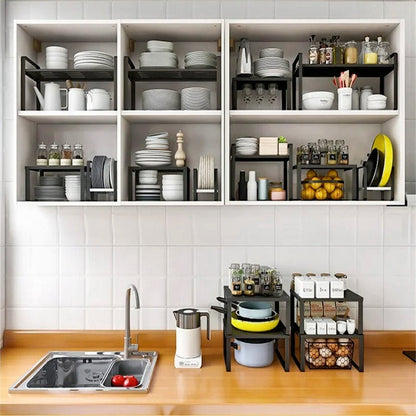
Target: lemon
316, 185
311, 174
308, 193
332, 173
321, 194
329, 186
337, 194
338, 185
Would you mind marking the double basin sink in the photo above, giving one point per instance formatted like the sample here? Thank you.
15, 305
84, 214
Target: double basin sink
87, 371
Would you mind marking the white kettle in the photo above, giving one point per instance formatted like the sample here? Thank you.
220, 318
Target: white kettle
52, 99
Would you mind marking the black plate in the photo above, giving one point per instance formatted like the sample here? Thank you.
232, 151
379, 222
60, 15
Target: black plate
374, 166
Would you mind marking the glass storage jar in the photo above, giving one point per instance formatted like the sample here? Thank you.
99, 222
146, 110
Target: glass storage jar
236, 279
351, 52
383, 52
42, 155
78, 156
266, 281
66, 155
370, 52
54, 155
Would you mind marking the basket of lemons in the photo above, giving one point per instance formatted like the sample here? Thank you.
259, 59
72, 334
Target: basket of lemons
330, 186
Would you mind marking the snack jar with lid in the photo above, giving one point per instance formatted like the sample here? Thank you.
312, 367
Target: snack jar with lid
236, 279
54, 155
42, 155
351, 52
66, 155
266, 281
277, 283
383, 52
365, 92
255, 276
370, 52
78, 155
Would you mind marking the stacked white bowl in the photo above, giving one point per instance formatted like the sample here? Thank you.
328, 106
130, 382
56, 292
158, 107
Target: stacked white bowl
161, 99
195, 98
157, 141
73, 187
172, 187
271, 52
160, 54
200, 60
247, 146
272, 64
56, 57
148, 177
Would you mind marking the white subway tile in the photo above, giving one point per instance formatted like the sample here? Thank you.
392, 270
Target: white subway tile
206, 225
99, 318
71, 226
153, 292
68, 10
399, 291
229, 255
72, 292
9, 163
396, 227
396, 261
373, 319
343, 226
152, 318
399, 319
288, 226
126, 261
18, 222
346, 9
206, 9
124, 9
312, 259
44, 261
125, 226
152, 262
234, 9
261, 9
32, 318
180, 293
71, 319
99, 261
410, 149
119, 323
17, 10
410, 87
206, 291
152, 9
179, 262
99, 292
370, 287
152, 222
43, 10
369, 226
179, 226
261, 255
97, 9
98, 226
18, 262
315, 225
369, 260
44, 227
179, 9
120, 285
343, 260
286, 9
71, 261
207, 262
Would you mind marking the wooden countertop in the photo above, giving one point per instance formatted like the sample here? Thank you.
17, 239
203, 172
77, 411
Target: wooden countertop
388, 385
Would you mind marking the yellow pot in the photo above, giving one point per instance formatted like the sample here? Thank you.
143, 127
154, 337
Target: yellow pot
254, 326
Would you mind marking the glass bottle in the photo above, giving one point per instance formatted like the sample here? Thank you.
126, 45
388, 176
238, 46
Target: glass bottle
252, 186
277, 284
242, 186
344, 157
332, 155
383, 52
54, 155
322, 51
78, 156
266, 282
255, 276
42, 155
351, 52
66, 155
313, 51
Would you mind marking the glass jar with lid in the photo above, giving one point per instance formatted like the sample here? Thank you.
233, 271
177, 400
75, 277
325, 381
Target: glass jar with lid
276, 191
350, 52
66, 155
42, 155
332, 155
316, 155
370, 52
277, 283
383, 52
266, 281
236, 279
78, 155
255, 276
365, 92
54, 155
344, 155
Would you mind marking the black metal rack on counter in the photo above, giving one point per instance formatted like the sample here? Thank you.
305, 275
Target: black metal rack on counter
383, 189
280, 333
93, 193
285, 159
197, 191
301, 70
133, 178
39, 75
298, 331
158, 74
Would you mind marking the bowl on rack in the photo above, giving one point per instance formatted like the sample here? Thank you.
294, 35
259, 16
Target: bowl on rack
318, 100
161, 99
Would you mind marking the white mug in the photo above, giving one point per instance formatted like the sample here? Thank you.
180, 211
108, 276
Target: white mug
76, 99
350, 326
341, 327
344, 98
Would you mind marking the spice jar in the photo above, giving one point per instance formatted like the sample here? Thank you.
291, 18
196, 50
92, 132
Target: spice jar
54, 156
332, 155
248, 286
42, 155
266, 281
383, 52
351, 52
343, 156
313, 51
66, 155
236, 279
316, 155
323, 149
78, 156
338, 52
255, 276
370, 52
277, 284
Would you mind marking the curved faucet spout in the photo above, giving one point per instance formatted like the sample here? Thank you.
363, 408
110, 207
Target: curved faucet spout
128, 346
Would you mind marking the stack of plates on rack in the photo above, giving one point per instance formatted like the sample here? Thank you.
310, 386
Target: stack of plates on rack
271, 52
93, 60
206, 172
195, 98
246, 146
160, 54
50, 189
56, 57
73, 187
272, 67
172, 187
102, 172
153, 157
159, 46
147, 192
148, 177
200, 60
157, 141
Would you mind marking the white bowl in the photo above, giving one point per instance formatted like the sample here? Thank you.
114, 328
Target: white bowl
169, 195
376, 102
148, 181
161, 99
271, 52
57, 49
318, 100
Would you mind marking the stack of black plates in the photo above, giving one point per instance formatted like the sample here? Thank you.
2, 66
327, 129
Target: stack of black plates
51, 188
102, 172
147, 192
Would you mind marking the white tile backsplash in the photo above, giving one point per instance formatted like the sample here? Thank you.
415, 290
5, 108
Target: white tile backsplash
97, 9
98, 318
206, 225
347, 9
342, 226
152, 225
71, 226
152, 9
396, 227
124, 9
72, 292
126, 261
261, 9
397, 260
179, 9
71, 319
72, 261
99, 292
99, 261
152, 262
303, 9
67, 10
98, 226
180, 262
24, 318
43, 10
120, 286
207, 262
179, 226
399, 319
206, 9
369, 226
125, 226
180, 293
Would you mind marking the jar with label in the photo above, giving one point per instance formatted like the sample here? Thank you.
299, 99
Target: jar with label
277, 283
66, 155
338, 145
323, 149
351, 52
255, 276
344, 155
266, 281
54, 155
383, 52
78, 156
313, 51
365, 92
332, 155
329, 55
338, 53
236, 279
370, 52
305, 154
248, 286
316, 155
42, 155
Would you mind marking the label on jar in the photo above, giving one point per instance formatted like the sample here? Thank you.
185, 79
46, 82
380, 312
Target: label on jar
344, 158
53, 162
332, 157
77, 162
248, 287
42, 162
278, 289
316, 158
328, 56
65, 162
236, 287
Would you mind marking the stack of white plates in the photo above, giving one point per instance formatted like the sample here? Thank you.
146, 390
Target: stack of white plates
247, 146
147, 192
271, 52
272, 67
158, 59
195, 98
153, 157
73, 187
56, 57
200, 60
172, 187
157, 141
206, 172
159, 46
148, 177
93, 60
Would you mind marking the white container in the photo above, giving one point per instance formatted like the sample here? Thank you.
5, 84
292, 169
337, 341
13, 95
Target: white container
337, 288
376, 102
309, 326
252, 186
320, 326
350, 326
341, 327
318, 100
76, 99
331, 326
305, 287
364, 94
344, 99
98, 99
321, 287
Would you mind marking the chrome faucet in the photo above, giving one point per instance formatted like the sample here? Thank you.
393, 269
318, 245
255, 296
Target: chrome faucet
128, 346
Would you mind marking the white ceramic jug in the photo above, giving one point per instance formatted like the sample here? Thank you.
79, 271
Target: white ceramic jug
76, 99
52, 99
98, 99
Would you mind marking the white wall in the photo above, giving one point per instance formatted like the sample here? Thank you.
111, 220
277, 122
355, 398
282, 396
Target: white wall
68, 268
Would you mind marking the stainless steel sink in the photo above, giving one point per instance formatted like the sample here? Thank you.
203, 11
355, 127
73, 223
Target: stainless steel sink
87, 371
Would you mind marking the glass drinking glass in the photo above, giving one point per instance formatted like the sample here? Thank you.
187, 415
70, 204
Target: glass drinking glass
247, 93
260, 92
272, 93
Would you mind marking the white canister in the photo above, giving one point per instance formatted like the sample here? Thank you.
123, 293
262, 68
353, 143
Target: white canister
364, 94
76, 99
252, 186
344, 98
98, 99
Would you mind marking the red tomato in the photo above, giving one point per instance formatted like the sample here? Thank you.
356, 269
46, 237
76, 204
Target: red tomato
130, 381
117, 381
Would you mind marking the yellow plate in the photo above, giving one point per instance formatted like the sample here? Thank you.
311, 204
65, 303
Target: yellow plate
252, 326
383, 143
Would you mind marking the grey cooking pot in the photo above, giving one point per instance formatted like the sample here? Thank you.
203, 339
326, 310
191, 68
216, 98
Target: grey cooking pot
251, 309
253, 352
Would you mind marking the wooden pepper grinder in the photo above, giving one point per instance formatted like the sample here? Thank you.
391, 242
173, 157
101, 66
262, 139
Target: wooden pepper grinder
180, 155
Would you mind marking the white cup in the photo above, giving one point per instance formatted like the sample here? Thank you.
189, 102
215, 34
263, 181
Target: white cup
76, 99
350, 326
341, 327
344, 98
